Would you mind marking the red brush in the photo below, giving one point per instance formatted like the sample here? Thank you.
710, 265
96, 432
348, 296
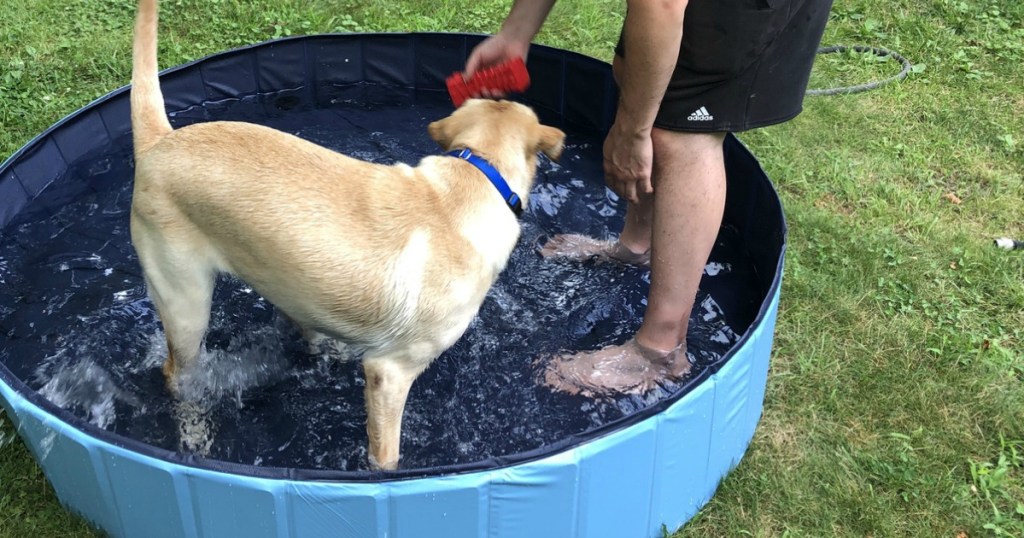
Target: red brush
510, 76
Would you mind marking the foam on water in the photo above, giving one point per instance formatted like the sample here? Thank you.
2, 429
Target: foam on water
80, 330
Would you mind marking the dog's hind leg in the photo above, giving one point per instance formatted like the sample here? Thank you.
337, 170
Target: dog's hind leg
185, 318
181, 287
388, 380
183, 303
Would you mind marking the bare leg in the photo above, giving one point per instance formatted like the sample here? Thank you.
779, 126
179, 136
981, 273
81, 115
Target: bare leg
689, 199
689, 178
633, 246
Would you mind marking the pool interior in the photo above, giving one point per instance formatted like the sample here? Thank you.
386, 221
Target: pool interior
79, 329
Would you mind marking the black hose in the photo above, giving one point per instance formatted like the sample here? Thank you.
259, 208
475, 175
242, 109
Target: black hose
870, 85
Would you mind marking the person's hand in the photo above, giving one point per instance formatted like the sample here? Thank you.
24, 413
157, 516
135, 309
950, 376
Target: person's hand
493, 51
628, 158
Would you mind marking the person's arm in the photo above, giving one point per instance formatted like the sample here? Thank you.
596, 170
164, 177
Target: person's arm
521, 25
525, 18
653, 33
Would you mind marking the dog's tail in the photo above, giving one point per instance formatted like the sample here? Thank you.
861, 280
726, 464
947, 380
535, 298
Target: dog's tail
149, 120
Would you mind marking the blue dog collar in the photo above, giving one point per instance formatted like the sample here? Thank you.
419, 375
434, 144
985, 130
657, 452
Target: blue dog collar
511, 198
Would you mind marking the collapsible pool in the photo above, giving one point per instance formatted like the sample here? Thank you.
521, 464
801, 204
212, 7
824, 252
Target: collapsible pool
276, 446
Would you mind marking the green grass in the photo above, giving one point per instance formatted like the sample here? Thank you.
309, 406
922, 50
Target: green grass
895, 404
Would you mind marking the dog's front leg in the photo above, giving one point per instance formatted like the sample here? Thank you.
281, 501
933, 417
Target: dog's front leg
388, 380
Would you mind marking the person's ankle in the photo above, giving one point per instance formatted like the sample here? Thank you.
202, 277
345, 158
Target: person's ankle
671, 362
636, 247
654, 348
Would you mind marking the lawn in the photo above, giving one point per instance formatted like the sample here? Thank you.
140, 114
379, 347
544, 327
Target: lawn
895, 404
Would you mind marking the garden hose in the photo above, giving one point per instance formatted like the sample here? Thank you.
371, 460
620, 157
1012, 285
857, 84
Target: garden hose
867, 86
1007, 243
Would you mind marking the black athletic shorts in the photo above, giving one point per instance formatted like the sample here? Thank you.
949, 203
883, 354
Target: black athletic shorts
742, 64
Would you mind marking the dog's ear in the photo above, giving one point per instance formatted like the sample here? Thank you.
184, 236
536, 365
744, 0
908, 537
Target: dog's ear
440, 131
550, 141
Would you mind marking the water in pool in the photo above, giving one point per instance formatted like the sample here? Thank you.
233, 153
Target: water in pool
79, 328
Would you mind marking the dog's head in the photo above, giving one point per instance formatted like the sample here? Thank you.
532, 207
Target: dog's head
482, 124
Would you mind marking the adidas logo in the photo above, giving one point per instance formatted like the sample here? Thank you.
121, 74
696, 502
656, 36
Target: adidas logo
701, 114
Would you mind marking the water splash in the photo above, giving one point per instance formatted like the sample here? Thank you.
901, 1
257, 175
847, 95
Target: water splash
87, 389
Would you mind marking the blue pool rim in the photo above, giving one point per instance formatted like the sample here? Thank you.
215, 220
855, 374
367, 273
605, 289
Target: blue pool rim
636, 476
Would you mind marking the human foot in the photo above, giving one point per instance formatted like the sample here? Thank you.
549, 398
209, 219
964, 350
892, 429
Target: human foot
630, 368
582, 248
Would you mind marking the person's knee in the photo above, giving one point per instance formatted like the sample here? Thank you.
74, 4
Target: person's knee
669, 145
678, 141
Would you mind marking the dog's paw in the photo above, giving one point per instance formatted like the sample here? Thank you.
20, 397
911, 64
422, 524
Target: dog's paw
377, 466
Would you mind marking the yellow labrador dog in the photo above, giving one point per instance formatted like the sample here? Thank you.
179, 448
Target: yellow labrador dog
393, 259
